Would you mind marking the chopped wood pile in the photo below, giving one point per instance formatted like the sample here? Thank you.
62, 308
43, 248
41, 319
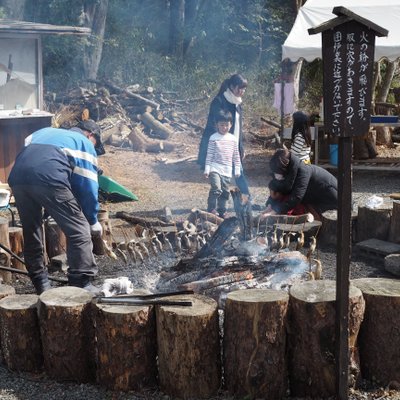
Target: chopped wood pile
142, 119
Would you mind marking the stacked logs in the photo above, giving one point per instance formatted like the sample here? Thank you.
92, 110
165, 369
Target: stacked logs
268, 335
139, 118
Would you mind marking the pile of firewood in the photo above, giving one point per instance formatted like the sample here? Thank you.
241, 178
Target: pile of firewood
133, 117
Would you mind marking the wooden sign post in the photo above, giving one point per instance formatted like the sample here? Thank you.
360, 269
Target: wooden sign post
348, 44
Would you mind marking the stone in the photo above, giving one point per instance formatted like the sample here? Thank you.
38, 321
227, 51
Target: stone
392, 264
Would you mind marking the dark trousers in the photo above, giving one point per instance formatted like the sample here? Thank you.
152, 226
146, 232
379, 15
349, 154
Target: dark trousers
62, 206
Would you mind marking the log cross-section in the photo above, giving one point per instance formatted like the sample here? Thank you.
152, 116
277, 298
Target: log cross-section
255, 343
379, 340
189, 348
311, 337
67, 334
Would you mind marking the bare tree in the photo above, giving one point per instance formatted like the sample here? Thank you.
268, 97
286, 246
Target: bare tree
95, 13
176, 27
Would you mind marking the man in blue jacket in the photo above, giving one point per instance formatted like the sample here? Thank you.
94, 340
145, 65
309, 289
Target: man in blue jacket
57, 172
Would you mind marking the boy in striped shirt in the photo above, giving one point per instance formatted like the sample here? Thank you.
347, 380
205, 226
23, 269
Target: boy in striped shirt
222, 157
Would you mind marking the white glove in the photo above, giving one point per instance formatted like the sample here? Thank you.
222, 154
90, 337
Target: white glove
96, 229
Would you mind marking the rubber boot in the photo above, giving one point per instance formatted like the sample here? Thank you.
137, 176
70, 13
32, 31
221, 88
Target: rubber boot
41, 283
84, 282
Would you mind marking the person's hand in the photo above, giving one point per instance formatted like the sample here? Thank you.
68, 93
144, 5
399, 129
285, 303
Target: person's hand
96, 229
237, 175
206, 176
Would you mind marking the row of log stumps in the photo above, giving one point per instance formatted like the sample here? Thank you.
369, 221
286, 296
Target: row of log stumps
272, 341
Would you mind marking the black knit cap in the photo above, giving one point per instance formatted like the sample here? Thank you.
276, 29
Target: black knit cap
280, 161
90, 126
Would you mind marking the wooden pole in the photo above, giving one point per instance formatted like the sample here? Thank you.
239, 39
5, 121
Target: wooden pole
343, 266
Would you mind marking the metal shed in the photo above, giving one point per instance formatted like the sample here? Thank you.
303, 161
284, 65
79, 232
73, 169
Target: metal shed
21, 84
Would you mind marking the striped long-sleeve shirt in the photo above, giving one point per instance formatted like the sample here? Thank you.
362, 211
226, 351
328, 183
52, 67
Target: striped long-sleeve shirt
223, 155
300, 148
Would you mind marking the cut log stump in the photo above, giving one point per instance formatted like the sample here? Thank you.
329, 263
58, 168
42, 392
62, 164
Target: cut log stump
373, 223
255, 343
6, 290
20, 334
394, 232
328, 233
5, 258
16, 246
126, 346
379, 340
312, 337
56, 242
189, 348
67, 334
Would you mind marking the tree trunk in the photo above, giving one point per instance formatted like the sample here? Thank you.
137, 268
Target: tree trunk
383, 134
255, 343
192, 8
20, 334
14, 9
176, 28
56, 242
16, 246
5, 258
95, 13
312, 309
67, 334
126, 346
189, 348
373, 223
379, 339
394, 232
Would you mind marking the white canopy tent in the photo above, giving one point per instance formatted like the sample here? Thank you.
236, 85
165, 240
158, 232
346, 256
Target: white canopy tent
385, 13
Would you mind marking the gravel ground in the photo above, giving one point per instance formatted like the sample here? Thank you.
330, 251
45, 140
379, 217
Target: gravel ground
181, 187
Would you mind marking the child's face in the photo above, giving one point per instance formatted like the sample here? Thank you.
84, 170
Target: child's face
223, 127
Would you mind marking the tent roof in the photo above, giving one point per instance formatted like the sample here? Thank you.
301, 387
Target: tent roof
385, 13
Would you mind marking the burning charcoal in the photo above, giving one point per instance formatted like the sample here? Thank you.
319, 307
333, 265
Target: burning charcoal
144, 248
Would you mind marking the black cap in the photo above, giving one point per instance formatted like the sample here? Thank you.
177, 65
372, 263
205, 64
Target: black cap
90, 126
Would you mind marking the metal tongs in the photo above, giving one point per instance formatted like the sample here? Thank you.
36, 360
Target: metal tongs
147, 299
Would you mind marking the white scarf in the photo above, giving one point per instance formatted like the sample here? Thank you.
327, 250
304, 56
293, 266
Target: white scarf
232, 98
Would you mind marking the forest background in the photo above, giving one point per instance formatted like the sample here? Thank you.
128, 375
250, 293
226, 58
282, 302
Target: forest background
185, 46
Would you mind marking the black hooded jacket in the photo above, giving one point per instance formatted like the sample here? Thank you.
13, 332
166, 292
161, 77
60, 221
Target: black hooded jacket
219, 103
306, 184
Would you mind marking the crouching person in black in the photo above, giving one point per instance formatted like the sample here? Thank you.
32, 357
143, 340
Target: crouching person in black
57, 171
302, 183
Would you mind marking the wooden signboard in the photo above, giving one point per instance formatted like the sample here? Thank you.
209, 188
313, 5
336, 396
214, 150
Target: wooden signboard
348, 44
348, 56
